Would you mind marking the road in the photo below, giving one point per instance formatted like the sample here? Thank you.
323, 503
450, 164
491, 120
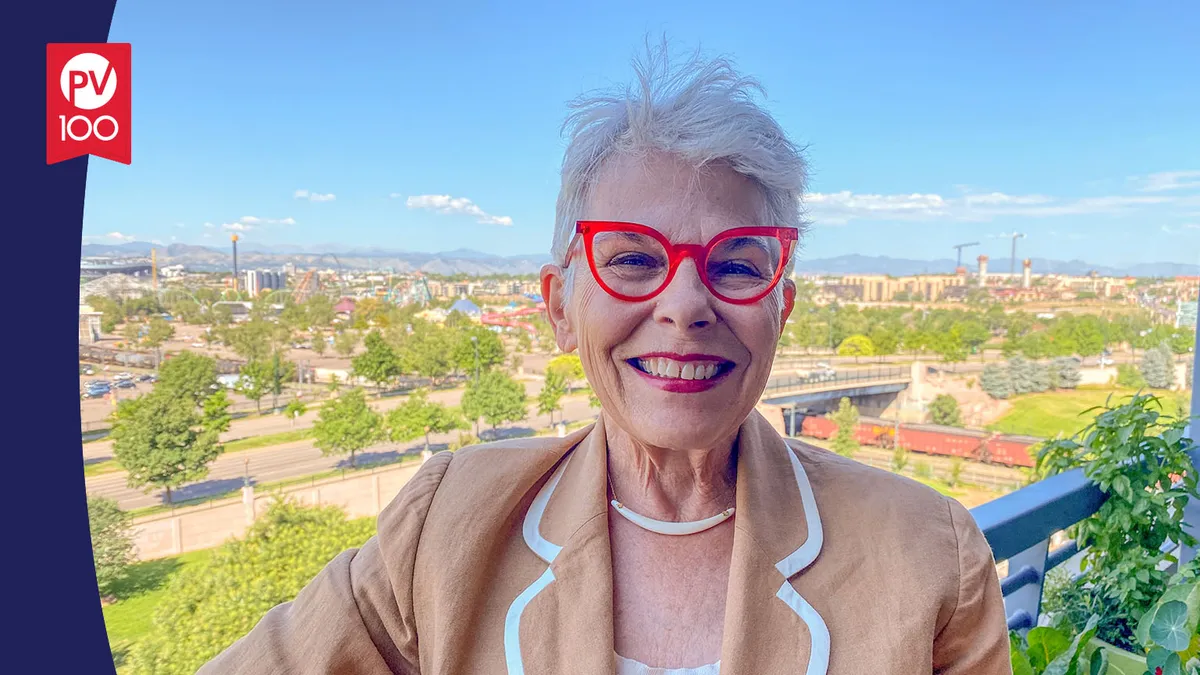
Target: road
301, 458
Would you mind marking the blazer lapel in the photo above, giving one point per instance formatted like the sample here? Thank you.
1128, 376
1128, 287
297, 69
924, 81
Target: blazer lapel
769, 626
563, 623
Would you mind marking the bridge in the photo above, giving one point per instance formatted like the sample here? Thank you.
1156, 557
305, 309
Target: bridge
872, 389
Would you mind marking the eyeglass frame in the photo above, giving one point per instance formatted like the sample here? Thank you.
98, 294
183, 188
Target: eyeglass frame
587, 230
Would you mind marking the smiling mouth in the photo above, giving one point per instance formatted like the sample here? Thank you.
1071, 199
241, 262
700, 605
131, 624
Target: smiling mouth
672, 369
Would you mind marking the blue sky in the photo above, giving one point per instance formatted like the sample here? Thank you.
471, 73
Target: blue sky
434, 126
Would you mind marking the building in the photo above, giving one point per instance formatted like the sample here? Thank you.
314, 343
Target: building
883, 288
466, 307
89, 325
258, 281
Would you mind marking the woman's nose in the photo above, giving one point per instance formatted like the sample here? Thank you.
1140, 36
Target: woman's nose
685, 302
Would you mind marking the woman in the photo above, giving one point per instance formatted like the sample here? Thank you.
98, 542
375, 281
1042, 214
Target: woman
680, 533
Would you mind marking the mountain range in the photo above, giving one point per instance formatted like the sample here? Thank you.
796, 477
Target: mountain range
476, 263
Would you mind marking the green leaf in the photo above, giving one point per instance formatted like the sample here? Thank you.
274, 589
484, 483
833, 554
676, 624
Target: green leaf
1066, 663
1045, 644
1099, 662
1169, 628
1020, 662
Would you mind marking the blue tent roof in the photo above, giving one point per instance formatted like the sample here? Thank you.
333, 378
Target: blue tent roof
466, 307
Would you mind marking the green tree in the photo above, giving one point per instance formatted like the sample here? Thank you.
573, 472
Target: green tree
189, 375
1027, 376
569, 368
886, 340
490, 348
846, 419
973, 334
215, 416
319, 345
158, 332
207, 608
427, 351
253, 340
497, 398
346, 425
593, 399
255, 382
1158, 367
1064, 373
996, 381
319, 309
550, 397
132, 333
856, 346
1129, 376
112, 540
345, 342
418, 416
378, 363
162, 442
295, 408
944, 410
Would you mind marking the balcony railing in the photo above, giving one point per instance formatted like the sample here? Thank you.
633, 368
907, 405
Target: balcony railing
1019, 526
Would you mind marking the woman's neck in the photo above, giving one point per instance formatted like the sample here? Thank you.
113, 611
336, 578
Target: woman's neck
671, 484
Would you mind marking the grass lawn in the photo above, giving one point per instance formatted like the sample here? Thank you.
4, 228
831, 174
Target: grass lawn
99, 468
265, 440
1054, 412
130, 617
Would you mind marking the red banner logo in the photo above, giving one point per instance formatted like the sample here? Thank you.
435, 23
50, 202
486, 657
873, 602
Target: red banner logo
88, 104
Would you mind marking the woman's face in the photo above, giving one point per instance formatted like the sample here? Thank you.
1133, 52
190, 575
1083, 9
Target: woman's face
644, 359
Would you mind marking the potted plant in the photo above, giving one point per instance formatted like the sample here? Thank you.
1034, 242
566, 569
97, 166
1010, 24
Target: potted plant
1138, 457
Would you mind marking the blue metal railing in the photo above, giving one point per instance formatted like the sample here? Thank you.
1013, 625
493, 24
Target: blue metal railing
819, 379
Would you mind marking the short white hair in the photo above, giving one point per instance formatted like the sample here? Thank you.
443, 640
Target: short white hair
703, 112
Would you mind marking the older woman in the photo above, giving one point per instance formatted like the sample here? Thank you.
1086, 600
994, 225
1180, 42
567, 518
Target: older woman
680, 533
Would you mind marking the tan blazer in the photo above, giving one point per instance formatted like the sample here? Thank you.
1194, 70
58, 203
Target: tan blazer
495, 559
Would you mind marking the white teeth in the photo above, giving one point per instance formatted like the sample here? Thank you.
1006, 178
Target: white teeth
676, 370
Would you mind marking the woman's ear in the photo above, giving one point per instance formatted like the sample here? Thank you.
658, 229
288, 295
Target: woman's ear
553, 284
789, 303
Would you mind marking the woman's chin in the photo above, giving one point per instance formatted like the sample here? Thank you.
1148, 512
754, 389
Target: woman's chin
679, 427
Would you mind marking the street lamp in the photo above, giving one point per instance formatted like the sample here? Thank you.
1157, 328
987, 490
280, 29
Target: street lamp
475, 343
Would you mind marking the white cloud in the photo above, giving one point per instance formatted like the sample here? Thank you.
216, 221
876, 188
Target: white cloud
208, 235
1192, 226
314, 196
456, 205
237, 227
255, 220
395, 195
180, 225
839, 208
209, 226
1169, 180
158, 242
120, 237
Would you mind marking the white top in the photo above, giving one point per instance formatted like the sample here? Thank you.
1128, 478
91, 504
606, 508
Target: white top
630, 667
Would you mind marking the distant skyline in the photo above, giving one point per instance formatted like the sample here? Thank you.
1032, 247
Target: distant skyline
429, 129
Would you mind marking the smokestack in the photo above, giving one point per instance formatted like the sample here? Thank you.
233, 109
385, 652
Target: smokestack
235, 271
983, 259
1027, 273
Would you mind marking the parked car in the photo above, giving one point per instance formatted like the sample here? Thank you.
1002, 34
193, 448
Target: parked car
198, 344
121, 377
145, 377
96, 390
125, 384
1105, 361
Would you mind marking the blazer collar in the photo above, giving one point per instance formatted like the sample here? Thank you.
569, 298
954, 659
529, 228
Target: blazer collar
563, 621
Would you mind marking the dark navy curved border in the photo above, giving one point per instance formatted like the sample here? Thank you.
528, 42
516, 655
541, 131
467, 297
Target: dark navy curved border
51, 603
